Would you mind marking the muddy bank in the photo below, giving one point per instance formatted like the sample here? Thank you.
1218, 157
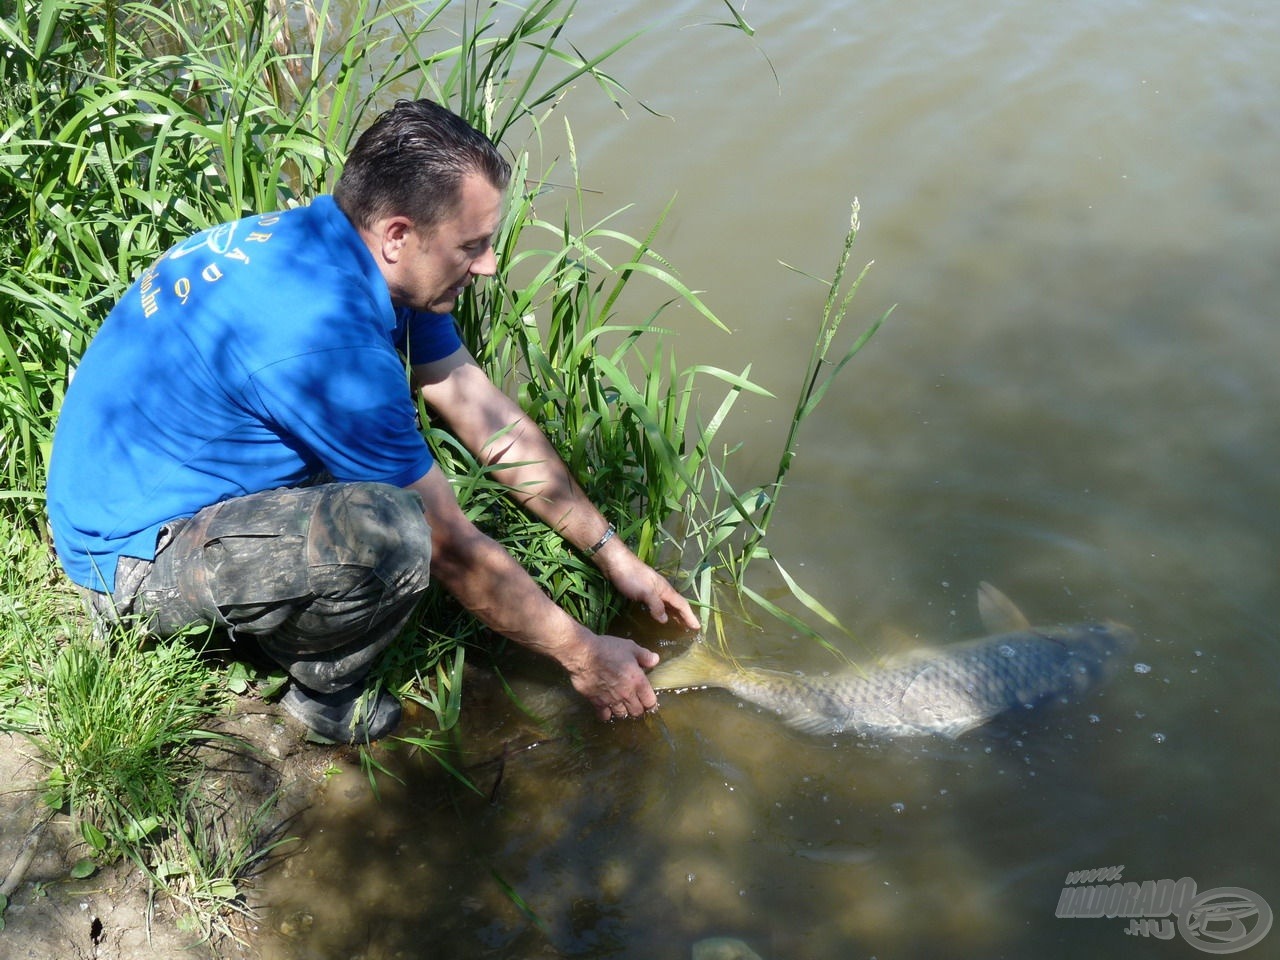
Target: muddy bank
115, 914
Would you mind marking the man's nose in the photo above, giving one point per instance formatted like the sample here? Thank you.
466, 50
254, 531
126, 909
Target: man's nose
485, 265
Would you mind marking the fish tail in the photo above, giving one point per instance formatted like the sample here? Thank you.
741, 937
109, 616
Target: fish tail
699, 666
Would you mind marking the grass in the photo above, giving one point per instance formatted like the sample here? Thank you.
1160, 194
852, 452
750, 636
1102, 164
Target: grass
209, 854
114, 722
126, 126
120, 726
117, 723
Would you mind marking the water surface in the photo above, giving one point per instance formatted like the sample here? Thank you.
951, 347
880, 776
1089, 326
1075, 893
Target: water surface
1073, 206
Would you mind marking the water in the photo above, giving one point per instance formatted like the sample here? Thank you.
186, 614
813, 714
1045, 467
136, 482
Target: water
1073, 206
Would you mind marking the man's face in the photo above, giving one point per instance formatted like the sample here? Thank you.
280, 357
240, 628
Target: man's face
440, 262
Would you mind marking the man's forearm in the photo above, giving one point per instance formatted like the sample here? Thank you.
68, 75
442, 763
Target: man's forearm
607, 670
497, 430
489, 582
540, 482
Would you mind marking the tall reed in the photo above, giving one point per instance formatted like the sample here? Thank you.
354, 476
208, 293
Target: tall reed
128, 125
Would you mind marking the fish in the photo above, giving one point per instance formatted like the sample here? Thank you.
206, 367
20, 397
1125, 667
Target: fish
933, 691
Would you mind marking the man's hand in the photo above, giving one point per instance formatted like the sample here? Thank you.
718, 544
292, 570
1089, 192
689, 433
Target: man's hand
641, 584
610, 672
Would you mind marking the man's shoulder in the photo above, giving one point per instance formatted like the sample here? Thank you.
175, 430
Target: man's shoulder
278, 262
312, 227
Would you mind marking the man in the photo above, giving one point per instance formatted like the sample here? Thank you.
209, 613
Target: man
262, 354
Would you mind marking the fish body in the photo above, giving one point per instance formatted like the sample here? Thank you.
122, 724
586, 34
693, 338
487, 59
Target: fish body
932, 691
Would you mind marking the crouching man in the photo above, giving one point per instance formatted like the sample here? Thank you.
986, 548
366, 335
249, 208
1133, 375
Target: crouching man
260, 355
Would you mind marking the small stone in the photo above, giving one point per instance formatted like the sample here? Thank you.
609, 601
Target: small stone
723, 948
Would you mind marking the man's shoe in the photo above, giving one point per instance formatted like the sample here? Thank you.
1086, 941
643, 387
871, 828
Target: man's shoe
334, 715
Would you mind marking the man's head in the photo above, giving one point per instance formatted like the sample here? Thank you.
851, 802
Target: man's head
424, 190
412, 162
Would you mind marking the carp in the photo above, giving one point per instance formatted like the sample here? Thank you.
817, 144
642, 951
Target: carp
945, 690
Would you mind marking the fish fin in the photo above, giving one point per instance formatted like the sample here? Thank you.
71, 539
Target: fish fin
999, 614
920, 709
699, 666
818, 724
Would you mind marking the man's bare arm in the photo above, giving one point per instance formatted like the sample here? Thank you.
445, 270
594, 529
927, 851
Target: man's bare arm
497, 430
609, 671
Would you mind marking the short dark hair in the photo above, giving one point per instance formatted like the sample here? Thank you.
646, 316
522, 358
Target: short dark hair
412, 161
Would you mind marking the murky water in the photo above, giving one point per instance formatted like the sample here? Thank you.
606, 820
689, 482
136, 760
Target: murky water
1073, 206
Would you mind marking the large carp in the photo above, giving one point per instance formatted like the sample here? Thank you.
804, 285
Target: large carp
941, 690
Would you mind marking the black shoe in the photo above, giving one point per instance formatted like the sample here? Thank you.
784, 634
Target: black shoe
331, 715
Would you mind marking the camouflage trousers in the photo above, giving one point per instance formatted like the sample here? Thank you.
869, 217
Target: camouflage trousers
322, 577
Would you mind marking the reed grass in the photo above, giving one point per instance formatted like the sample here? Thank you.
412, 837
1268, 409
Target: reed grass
126, 126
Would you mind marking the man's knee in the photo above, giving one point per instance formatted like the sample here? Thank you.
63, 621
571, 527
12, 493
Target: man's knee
375, 526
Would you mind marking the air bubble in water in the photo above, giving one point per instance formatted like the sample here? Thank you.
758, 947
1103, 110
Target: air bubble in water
1142, 668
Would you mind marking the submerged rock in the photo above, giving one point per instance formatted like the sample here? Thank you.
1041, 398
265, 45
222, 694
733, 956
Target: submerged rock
723, 948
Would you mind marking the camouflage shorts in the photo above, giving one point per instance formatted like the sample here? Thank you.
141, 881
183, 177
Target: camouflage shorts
323, 577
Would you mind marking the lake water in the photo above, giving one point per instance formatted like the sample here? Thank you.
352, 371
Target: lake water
1074, 207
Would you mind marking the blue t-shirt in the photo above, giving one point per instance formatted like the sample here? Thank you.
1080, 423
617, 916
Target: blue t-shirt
253, 355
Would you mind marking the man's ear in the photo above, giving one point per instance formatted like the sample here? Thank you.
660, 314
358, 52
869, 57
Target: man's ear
395, 234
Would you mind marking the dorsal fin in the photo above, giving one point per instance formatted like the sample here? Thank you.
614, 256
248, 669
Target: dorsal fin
999, 613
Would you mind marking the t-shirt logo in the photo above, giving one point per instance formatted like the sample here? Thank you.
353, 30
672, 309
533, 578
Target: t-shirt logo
220, 248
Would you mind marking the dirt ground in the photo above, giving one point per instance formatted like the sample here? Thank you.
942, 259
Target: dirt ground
112, 915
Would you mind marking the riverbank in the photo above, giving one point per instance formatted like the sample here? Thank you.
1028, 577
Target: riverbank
115, 913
